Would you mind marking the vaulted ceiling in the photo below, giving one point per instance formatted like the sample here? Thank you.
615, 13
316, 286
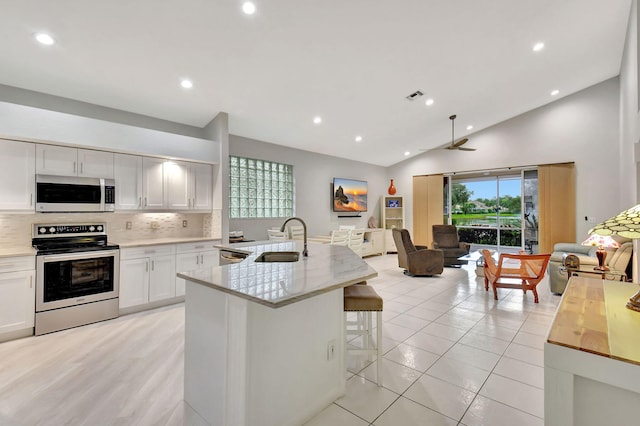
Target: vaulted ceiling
350, 62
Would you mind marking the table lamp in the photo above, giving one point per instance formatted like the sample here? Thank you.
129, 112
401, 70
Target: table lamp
602, 242
626, 224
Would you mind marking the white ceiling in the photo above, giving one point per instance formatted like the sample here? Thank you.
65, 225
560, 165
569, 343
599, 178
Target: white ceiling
350, 61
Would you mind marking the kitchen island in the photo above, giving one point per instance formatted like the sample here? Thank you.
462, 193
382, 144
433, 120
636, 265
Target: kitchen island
264, 341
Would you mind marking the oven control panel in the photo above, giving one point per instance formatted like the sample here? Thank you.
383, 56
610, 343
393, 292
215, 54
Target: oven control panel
68, 230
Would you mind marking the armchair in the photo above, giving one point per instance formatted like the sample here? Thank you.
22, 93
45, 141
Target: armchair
417, 261
522, 271
445, 238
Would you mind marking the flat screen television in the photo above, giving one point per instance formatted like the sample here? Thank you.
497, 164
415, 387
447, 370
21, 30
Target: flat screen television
349, 195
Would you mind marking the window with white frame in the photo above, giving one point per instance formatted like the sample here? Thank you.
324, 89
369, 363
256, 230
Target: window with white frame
259, 188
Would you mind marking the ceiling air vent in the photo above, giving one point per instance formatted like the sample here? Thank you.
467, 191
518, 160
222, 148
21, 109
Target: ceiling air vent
415, 95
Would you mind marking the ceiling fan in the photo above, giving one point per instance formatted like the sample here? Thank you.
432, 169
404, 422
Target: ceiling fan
457, 145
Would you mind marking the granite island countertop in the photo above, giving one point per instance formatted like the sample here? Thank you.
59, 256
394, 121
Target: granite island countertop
328, 267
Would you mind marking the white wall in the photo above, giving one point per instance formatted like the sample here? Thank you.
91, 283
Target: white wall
313, 174
581, 128
629, 178
629, 118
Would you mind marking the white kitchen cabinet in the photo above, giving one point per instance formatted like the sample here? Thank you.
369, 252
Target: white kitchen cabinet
177, 185
147, 183
67, 161
147, 274
153, 197
201, 186
134, 282
17, 170
128, 176
189, 186
162, 279
17, 294
194, 256
92, 163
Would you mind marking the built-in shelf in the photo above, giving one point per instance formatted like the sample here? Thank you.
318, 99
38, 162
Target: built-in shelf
392, 217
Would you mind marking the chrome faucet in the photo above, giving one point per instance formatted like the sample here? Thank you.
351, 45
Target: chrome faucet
305, 253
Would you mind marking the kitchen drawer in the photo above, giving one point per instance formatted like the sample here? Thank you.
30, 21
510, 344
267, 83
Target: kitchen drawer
147, 251
196, 246
18, 263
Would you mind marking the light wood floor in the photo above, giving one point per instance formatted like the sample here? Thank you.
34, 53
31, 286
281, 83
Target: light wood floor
107, 373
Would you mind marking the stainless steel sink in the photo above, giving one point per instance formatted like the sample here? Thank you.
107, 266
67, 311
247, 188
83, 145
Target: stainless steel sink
278, 256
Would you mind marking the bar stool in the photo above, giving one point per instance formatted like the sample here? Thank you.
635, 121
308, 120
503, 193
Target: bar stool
364, 300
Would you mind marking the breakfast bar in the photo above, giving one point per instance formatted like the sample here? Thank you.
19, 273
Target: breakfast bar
264, 337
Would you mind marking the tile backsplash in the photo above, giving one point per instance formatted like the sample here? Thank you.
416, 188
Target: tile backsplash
16, 229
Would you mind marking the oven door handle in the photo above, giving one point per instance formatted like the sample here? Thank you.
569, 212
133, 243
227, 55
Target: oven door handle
77, 256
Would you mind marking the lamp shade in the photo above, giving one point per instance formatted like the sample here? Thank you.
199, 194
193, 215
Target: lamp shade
626, 224
600, 241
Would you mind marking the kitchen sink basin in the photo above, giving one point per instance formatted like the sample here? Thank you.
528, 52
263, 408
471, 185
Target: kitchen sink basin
278, 256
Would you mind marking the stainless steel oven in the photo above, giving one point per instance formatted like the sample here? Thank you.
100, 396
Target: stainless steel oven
77, 276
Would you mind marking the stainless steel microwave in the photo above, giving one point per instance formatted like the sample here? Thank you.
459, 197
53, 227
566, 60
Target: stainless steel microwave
74, 194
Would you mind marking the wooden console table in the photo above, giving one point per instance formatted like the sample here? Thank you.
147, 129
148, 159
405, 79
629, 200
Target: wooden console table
592, 356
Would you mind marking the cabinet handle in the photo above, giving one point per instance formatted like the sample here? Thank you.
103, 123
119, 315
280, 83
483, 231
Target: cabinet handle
145, 201
81, 168
31, 281
74, 167
202, 259
197, 260
146, 266
153, 265
31, 199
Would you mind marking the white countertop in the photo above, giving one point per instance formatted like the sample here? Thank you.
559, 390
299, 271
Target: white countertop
328, 267
158, 241
17, 251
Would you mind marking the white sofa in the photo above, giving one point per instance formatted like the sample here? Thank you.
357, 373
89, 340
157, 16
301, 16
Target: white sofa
617, 259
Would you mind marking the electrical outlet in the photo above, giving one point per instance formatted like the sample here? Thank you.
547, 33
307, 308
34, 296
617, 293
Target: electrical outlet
155, 225
185, 223
331, 349
129, 225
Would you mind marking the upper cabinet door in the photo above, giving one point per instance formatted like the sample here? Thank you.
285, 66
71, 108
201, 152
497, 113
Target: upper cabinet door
56, 160
176, 176
128, 176
17, 170
152, 184
202, 186
93, 163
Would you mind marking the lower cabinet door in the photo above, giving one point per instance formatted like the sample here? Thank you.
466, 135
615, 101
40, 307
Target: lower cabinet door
134, 282
185, 262
162, 279
17, 300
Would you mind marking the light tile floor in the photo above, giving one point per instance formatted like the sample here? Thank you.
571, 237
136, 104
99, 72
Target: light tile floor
452, 354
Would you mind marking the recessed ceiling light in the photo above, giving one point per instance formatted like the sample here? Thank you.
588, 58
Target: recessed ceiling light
187, 84
317, 120
45, 39
249, 8
469, 127
407, 153
429, 102
554, 92
358, 138
538, 46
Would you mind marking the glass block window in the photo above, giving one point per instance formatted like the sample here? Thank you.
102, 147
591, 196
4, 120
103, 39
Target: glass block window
259, 188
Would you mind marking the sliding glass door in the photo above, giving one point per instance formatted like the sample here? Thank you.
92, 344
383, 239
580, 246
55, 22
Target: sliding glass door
487, 209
